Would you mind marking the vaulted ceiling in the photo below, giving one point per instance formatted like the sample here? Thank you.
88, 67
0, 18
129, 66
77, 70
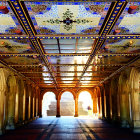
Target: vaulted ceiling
69, 43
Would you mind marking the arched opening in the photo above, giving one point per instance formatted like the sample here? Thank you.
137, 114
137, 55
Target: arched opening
49, 104
85, 104
67, 104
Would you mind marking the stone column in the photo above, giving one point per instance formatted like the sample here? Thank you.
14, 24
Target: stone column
31, 102
123, 90
39, 104
94, 105
20, 119
11, 111
26, 102
1, 111
76, 107
134, 99
114, 101
58, 108
107, 101
102, 102
35, 95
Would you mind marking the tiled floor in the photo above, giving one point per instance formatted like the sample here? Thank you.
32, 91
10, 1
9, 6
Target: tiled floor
69, 128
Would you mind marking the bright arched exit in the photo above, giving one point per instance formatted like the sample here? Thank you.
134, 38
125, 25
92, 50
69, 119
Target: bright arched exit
67, 104
49, 104
85, 104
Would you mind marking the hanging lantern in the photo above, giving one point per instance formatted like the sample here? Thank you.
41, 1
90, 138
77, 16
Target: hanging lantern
132, 9
18, 32
4, 9
116, 32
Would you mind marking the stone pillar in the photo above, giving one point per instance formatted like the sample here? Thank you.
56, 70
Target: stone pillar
114, 101
124, 111
12, 84
1, 111
21, 94
124, 99
31, 102
76, 107
17, 106
134, 99
26, 102
94, 105
2, 100
102, 102
99, 105
107, 101
35, 95
39, 103
11, 111
29, 105
58, 108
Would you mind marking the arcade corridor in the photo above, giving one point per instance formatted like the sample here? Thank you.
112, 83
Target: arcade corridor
70, 128
69, 48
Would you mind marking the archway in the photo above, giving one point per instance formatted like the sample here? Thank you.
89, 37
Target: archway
85, 104
49, 104
67, 104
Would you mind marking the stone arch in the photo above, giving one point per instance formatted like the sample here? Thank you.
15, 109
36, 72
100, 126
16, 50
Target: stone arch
49, 90
85, 89
68, 90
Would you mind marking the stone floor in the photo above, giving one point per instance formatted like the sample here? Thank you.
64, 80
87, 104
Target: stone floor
69, 128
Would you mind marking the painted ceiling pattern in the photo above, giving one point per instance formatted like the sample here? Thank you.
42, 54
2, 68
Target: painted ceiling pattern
8, 22
67, 17
129, 23
69, 43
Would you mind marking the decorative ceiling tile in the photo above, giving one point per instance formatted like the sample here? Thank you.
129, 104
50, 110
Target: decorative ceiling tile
129, 23
8, 22
67, 17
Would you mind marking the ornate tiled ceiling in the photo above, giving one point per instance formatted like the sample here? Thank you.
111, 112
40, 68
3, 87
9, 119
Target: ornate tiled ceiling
8, 22
69, 43
67, 17
129, 23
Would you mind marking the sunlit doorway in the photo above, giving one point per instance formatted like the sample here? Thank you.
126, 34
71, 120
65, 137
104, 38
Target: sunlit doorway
49, 104
67, 104
85, 104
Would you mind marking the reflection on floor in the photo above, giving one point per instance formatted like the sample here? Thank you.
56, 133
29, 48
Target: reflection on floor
69, 128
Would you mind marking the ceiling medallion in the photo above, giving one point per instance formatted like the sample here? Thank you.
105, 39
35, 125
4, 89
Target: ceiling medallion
68, 20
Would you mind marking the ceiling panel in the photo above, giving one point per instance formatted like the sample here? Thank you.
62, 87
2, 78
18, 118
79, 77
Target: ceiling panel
16, 46
129, 23
8, 22
67, 17
68, 59
111, 60
121, 46
67, 32
22, 60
